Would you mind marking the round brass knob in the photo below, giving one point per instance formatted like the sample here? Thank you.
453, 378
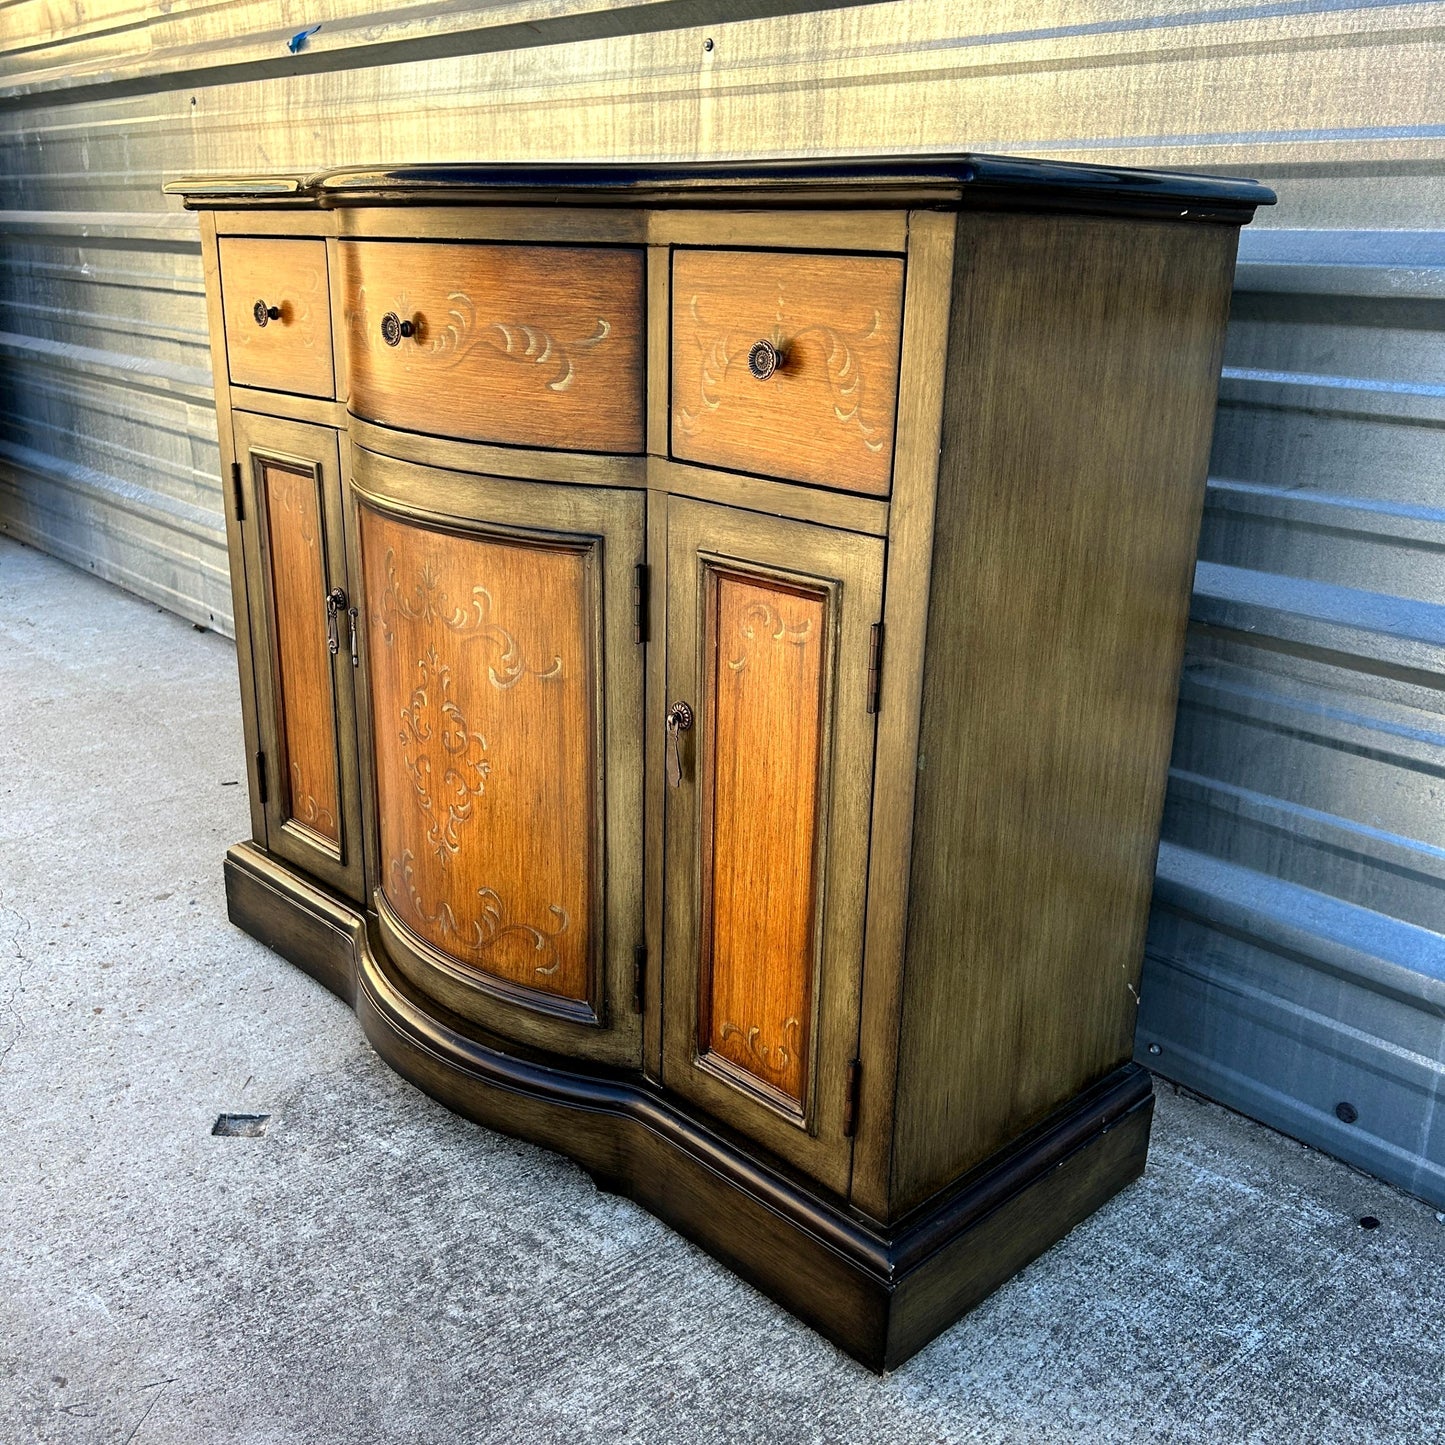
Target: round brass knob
264, 313
393, 328
764, 359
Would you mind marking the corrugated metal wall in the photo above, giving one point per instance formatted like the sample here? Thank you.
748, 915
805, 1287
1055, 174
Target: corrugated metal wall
1296, 965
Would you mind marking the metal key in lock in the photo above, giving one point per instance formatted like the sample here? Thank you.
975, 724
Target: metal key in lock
679, 720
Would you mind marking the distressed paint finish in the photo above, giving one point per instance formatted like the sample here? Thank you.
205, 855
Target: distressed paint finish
305, 707
483, 693
1330, 408
536, 346
826, 414
766, 644
291, 352
1084, 363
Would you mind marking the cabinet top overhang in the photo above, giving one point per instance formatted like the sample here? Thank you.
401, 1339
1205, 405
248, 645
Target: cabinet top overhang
948, 181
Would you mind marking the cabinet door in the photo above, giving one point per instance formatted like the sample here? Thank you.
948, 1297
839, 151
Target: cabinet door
294, 538
769, 632
503, 728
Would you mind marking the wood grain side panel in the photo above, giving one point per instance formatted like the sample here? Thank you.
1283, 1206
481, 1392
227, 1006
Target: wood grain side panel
827, 415
766, 643
306, 710
1084, 368
483, 677
292, 352
538, 346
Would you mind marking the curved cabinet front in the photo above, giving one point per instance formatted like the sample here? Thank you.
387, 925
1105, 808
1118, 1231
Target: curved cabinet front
534, 346
502, 719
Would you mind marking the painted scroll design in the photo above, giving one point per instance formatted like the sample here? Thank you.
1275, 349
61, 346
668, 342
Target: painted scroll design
463, 332
458, 776
491, 927
425, 601
297, 502
306, 810
721, 349
774, 1058
759, 620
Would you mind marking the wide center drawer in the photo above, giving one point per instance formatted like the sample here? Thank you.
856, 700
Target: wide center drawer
276, 301
786, 364
538, 346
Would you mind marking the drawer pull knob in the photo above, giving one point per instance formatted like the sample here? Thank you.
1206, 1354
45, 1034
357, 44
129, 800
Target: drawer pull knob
264, 313
764, 359
679, 720
393, 328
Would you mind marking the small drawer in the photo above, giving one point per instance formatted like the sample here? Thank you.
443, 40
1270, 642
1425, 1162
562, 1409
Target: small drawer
537, 346
276, 299
786, 364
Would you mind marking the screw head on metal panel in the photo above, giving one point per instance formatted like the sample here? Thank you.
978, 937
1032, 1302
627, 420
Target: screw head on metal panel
1346, 1112
1155, 1049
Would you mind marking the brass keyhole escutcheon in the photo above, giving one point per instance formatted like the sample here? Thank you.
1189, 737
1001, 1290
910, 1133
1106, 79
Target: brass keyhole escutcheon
679, 720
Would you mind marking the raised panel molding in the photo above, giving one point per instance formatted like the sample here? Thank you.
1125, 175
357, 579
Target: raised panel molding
483, 696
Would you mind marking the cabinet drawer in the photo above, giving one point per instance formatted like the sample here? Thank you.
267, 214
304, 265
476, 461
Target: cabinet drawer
538, 346
288, 351
825, 414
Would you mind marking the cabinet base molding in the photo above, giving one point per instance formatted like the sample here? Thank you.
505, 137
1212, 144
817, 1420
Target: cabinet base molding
879, 1292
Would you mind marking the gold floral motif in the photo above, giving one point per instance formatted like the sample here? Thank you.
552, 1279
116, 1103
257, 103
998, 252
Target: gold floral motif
758, 615
722, 348
305, 809
775, 1058
426, 602
488, 930
433, 713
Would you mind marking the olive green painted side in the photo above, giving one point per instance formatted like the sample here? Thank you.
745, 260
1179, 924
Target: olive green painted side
1083, 369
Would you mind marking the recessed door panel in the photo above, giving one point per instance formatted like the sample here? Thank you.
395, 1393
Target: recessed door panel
766, 647
768, 740
306, 711
483, 686
503, 732
293, 537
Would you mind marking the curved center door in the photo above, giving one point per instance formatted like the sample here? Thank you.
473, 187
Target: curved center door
503, 722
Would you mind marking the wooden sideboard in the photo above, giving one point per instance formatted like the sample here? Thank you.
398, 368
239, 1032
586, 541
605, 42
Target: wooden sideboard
708, 642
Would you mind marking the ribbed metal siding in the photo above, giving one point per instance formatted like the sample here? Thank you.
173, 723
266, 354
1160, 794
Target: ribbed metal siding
1296, 959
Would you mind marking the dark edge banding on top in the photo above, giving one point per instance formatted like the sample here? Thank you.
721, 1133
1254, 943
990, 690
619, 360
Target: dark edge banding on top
948, 181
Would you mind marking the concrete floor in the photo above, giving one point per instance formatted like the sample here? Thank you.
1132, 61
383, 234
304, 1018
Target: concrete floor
375, 1269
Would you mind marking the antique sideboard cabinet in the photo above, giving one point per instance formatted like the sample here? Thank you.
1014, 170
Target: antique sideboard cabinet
708, 643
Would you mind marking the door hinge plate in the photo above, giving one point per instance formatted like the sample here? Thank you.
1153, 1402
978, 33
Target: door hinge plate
238, 500
639, 978
640, 619
850, 1107
875, 665
262, 791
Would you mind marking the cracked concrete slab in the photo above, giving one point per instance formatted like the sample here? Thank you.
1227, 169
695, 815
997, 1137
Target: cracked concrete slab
375, 1269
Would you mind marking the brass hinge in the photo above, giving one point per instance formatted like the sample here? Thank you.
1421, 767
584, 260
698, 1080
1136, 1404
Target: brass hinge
850, 1107
639, 977
875, 665
639, 602
261, 777
237, 499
